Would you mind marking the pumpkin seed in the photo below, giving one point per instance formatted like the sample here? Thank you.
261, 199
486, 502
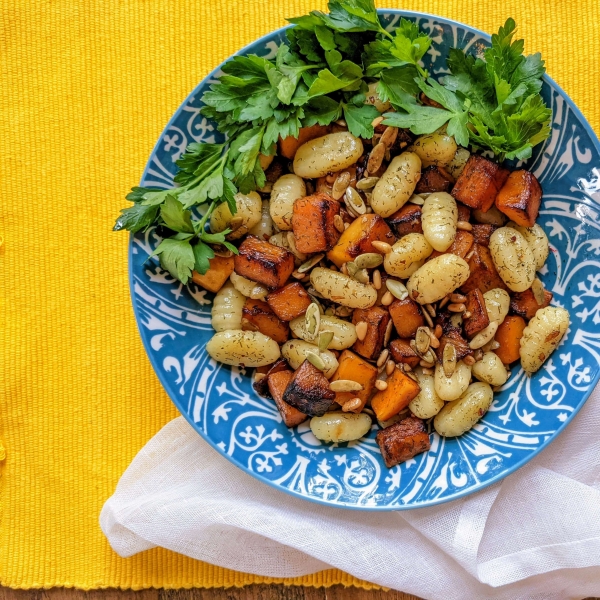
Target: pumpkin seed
369, 260
352, 268
343, 311
367, 184
537, 287
309, 264
325, 338
484, 336
376, 157
416, 199
345, 385
340, 185
396, 288
388, 137
354, 201
312, 320
362, 276
422, 341
449, 360
315, 360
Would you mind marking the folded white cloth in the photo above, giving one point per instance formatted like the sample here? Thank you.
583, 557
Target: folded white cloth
534, 535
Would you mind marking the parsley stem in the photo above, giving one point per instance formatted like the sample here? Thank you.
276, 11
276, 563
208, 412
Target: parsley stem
202, 222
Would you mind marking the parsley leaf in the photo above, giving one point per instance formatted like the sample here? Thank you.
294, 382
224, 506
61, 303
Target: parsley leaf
322, 110
359, 119
177, 257
202, 254
175, 217
136, 218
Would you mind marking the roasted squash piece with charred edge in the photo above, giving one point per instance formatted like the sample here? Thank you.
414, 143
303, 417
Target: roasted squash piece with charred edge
259, 316
407, 317
278, 383
525, 305
377, 320
217, 275
434, 179
406, 220
261, 386
401, 390
309, 391
479, 183
483, 272
401, 352
478, 318
289, 302
313, 223
263, 262
520, 198
482, 233
402, 441
355, 368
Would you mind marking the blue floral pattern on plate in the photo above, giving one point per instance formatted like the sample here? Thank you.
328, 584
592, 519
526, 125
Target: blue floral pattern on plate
219, 402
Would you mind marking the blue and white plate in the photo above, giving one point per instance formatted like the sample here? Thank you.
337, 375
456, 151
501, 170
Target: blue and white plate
219, 402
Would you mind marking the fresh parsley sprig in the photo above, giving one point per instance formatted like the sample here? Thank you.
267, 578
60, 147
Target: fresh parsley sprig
493, 103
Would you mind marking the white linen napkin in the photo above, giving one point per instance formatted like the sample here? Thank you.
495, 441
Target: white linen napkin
535, 535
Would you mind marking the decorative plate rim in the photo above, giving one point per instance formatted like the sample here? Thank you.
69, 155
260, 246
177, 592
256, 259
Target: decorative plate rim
343, 504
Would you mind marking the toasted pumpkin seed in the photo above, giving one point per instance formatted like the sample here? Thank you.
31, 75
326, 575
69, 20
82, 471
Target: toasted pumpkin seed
367, 184
537, 287
417, 200
354, 201
422, 341
484, 336
325, 338
449, 360
309, 264
396, 288
312, 320
368, 260
388, 137
315, 360
340, 185
362, 276
345, 385
376, 157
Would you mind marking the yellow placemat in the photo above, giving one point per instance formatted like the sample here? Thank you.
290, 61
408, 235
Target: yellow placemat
87, 87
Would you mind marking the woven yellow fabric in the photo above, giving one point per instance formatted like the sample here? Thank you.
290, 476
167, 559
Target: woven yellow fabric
86, 89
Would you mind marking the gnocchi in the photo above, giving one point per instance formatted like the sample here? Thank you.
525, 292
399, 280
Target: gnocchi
512, 258
227, 308
490, 369
459, 416
457, 164
243, 348
497, 303
451, 388
542, 336
296, 352
249, 214
340, 427
407, 255
344, 333
537, 240
427, 404
342, 289
328, 154
374, 99
397, 184
286, 190
439, 218
249, 288
264, 228
435, 149
437, 278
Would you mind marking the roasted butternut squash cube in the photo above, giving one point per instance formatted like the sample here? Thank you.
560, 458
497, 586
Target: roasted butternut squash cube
312, 223
520, 198
261, 386
218, 273
483, 272
401, 352
478, 318
479, 183
354, 368
525, 305
434, 179
401, 390
289, 302
407, 317
482, 233
258, 316
263, 262
406, 220
358, 239
309, 391
278, 383
402, 441
461, 245
377, 319
451, 335
509, 336
289, 145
